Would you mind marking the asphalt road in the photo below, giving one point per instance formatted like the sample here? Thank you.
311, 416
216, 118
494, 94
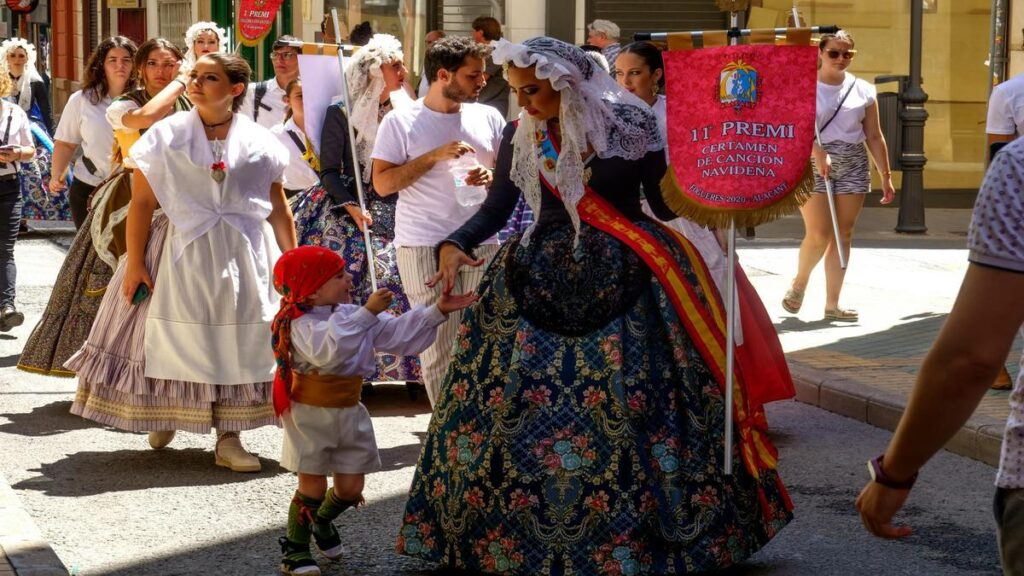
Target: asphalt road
111, 506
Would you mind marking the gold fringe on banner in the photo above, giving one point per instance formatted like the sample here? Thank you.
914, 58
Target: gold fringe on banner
711, 217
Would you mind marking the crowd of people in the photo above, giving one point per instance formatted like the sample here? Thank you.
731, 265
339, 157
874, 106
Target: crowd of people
220, 280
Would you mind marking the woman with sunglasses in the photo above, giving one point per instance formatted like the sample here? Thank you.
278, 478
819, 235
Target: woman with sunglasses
847, 118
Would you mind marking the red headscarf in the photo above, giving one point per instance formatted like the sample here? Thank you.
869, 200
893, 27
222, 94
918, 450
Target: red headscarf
297, 275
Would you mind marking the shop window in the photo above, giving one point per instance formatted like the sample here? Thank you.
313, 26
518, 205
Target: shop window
175, 16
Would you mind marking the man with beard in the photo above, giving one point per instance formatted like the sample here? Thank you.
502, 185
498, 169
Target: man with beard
413, 156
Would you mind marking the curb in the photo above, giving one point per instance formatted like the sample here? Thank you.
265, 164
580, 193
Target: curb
20, 541
979, 439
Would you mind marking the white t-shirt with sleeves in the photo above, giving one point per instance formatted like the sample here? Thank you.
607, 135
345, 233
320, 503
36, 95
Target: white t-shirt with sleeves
84, 123
848, 125
996, 239
1006, 108
273, 99
427, 211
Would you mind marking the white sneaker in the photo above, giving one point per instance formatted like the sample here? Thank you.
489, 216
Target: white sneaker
161, 439
230, 453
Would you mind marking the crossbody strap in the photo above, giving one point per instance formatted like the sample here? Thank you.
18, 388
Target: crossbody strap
840, 106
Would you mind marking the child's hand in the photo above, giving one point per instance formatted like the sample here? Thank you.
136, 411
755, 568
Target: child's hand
379, 301
451, 302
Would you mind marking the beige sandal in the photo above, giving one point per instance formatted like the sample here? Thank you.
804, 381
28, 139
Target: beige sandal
793, 300
841, 315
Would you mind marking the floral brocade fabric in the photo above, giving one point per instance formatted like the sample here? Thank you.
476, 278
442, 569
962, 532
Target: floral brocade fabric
596, 454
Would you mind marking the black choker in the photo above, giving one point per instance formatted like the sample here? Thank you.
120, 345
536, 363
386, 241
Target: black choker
217, 124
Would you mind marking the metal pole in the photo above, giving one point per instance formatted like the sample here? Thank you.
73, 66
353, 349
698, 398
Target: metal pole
997, 44
832, 206
730, 317
371, 263
733, 33
913, 114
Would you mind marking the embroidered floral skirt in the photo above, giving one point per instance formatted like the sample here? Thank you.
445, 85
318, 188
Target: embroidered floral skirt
112, 387
320, 222
579, 431
39, 204
74, 302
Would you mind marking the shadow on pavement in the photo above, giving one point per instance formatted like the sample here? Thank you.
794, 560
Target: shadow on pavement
794, 324
90, 473
48, 420
368, 534
398, 457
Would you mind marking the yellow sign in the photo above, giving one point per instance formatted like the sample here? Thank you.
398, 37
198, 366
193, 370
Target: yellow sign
122, 3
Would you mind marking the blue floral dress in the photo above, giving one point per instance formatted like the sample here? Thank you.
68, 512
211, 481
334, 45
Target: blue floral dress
38, 203
579, 431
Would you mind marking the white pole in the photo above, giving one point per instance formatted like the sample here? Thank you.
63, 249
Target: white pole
832, 206
730, 316
371, 263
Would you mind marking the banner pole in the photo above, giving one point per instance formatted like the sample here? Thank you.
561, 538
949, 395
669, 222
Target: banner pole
733, 32
371, 263
831, 205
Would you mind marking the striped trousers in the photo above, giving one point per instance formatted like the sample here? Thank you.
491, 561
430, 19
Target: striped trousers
416, 265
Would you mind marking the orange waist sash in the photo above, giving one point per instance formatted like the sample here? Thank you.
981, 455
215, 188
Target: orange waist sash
326, 390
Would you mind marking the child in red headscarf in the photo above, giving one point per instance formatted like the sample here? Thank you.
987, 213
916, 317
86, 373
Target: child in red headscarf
324, 347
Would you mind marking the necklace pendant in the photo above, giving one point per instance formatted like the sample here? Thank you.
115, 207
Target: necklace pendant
217, 175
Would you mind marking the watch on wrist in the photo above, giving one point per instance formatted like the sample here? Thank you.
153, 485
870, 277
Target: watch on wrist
878, 475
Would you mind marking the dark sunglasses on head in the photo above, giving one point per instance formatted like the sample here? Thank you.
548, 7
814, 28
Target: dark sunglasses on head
846, 54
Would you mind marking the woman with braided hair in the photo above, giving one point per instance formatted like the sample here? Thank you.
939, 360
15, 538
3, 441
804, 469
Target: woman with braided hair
329, 214
580, 427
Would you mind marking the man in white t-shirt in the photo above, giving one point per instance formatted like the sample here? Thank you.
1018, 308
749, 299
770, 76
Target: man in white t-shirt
413, 155
264, 101
1006, 111
970, 349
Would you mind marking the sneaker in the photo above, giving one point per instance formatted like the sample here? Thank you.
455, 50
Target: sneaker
10, 318
327, 539
160, 439
297, 559
230, 453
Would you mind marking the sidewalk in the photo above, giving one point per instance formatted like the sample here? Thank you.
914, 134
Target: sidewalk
903, 286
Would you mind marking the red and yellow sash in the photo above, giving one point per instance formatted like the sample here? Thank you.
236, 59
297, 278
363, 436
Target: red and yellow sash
704, 323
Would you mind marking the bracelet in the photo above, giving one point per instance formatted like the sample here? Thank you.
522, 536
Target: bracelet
879, 476
184, 86
887, 173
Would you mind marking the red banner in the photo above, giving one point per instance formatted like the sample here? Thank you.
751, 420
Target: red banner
740, 130
255, 18
22, 6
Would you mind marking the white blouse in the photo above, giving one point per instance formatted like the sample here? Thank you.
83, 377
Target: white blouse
176, 158
84, 123
848, 124
15, 127
298, 175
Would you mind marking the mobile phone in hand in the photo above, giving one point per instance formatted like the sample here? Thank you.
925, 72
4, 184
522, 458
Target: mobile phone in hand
141, 293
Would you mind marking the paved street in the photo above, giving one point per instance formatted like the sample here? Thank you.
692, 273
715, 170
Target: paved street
110, 505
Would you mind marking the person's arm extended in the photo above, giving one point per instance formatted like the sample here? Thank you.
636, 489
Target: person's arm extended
389, 178
281, 219
140, 218
961, 365
158, 107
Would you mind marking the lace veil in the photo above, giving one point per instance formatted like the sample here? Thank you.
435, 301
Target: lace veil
25, 82
365, 83
194, 31
594, 109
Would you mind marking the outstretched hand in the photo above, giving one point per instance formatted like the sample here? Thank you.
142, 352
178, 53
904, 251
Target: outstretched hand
877, 505
451, 302
449, 262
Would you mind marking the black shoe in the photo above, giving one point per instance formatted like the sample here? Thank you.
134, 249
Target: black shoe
297, 559
10, 318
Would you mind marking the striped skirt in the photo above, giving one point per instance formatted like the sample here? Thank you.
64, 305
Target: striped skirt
113, 389
851, 171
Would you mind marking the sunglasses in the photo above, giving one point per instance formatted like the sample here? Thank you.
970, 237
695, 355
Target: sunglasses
846, 54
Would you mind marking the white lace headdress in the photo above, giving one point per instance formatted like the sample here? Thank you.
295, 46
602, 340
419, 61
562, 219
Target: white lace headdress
594, 109
30, 74
365, 82
193, 33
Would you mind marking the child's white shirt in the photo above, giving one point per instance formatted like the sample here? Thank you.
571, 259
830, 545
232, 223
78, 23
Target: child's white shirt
344, 342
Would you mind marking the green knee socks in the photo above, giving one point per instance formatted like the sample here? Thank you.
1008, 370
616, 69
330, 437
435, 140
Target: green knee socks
302, 514
331, 508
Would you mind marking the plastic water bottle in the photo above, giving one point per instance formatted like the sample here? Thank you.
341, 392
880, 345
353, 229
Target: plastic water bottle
465, 194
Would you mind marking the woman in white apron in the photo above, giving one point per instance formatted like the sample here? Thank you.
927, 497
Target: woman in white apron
196, 354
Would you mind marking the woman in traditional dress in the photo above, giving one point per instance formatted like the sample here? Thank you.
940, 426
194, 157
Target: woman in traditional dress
581, 424
203, 38
19, 57
196, 354
329, 216
83, 276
